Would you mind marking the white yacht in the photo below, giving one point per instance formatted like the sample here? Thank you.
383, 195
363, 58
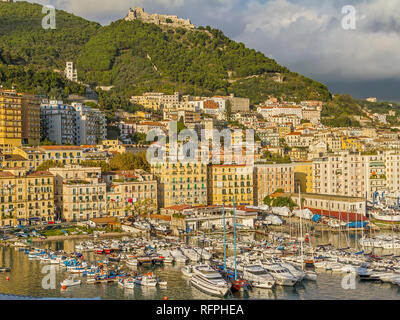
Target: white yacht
191, 254
209, 281
258, 277
294, 271
282, 276
179, 257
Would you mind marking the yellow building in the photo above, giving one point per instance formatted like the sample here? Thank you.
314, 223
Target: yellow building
181, 183
303, 176
268, 178
80, 193
25, 198
284, 130
13, 161
228, 181
131, 192
34, 156
67, 155
10, 120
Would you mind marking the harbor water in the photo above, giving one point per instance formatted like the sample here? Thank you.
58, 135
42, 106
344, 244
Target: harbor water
26, 279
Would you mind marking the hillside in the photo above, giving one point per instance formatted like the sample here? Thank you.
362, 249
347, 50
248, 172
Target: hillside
23, 41
29, 54
136, 57
139, 57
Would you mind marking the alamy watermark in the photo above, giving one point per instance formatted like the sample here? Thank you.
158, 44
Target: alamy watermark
187, 147
349, 280
49, 21
49, 280
349, 20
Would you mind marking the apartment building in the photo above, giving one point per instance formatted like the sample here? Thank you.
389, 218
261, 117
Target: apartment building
269, 178
303, 176
74, 124
129, 189
10, 120
26, 198
350, 174
30, 114
392, 164
80, 193
66, 155
70, 72
226, 182
57, 122
181, 183
90, 125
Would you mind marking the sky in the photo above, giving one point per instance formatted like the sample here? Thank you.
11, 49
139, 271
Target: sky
352, 46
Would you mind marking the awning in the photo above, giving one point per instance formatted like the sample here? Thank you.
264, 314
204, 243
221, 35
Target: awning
34, 219
21, 219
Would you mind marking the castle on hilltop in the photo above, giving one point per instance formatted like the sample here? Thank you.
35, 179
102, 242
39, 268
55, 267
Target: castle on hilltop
158, 19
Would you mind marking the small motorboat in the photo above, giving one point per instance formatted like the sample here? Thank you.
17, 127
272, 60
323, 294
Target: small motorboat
70, 282
5, 269
239, 285
310, 275
132, 262
114, 258
162, 283
187, 271
147, 280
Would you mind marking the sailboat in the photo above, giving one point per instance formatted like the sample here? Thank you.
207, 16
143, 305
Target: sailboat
308, 274
240, 285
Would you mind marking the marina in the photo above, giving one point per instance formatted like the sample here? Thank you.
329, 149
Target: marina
270, 273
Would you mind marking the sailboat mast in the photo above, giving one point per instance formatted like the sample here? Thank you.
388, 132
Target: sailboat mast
301, 232
234, 231
223, 217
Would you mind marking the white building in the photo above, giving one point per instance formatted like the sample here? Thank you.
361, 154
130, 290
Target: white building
90, 125
349, 174
75, 124
70, 72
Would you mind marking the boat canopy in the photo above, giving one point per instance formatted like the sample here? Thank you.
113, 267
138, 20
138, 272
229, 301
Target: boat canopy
316, 218
305, 214
282, 211
274, 220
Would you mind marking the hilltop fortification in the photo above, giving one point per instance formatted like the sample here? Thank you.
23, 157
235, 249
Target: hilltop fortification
158, 19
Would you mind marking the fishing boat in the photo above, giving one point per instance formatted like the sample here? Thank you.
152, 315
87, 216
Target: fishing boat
145, 260
386, 215
70, 282
132, 262
239, 285
128, 283
147, 280
162, 283
114, 258
209, 281
98, 250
